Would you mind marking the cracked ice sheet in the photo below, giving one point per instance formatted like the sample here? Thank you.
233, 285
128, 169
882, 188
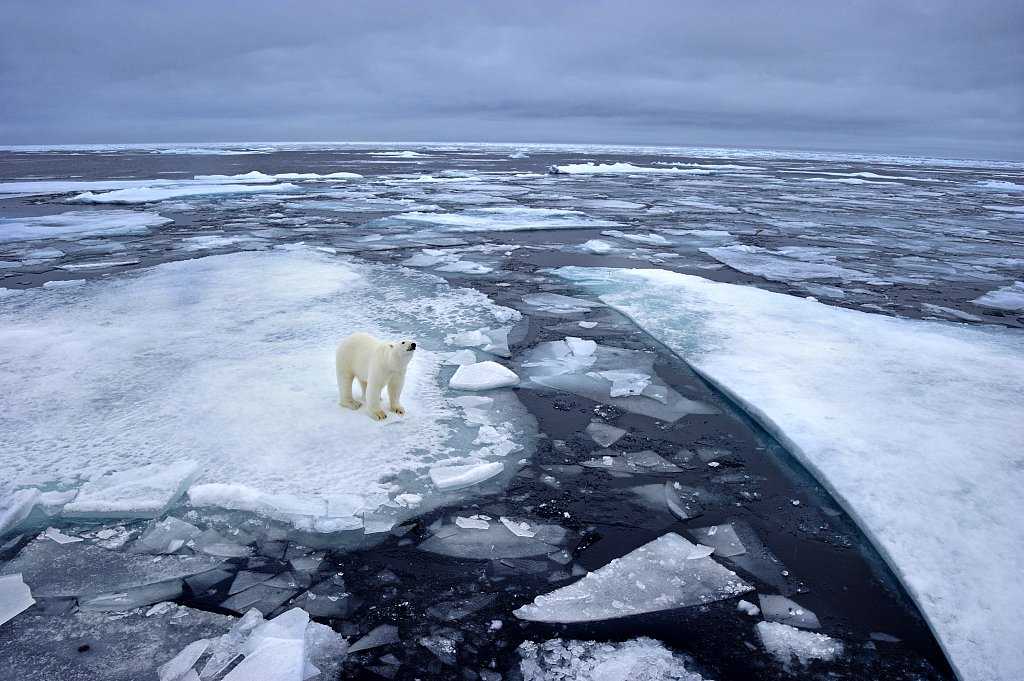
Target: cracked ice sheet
229, 361
510, 219
913, 425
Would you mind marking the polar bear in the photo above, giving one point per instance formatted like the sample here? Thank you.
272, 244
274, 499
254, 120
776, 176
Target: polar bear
374, 363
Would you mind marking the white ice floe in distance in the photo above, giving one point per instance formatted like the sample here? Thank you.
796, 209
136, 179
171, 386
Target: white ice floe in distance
777, 266
503, 219
657, 576
622, 168
79, 223
914, 426
228, 361
159, 193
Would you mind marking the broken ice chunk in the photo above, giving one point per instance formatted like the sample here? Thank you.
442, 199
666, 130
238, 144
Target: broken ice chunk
452, 611
442, 647
782, 609
604, 434
465, 267
59, 537
624, 383
722, 537
382, 635
247, 578
461, 357
15, 596
212, 543
17, 506
475, 522
263, 598
135, 597
640, 659
700, 551
645, 461
484, 544
596, 246
142, 492
657, 576
518, 528
482, 376
275, 660
587, 325
165, 536
784, 643
456, 477
494, 341
748, 608
180, 664
581, 347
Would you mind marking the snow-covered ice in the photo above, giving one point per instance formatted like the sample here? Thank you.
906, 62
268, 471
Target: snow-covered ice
151, 194
142, 492
784, 643
79, 223
657, 576
482, 376
228, 361
623, 168
913, 425
639, 659
465, 475
777, 266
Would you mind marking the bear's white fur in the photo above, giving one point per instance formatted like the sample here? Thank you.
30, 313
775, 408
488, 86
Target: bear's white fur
375, 364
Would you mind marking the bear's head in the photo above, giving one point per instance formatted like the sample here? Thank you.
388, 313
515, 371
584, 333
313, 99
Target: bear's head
401, 351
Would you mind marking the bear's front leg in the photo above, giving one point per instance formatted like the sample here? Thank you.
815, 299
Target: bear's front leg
374, 384
395, 393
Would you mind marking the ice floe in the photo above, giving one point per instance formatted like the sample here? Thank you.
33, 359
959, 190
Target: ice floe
152, 194
785, 643
621, 168
1008, 298
142, 492
657, 576
901, 419
639, 659
78, 224
15, 596
204, 360
482, 376
502, 219
778, 266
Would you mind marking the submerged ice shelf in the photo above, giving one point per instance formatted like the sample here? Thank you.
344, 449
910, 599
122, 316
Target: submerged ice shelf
914, 426
223, 367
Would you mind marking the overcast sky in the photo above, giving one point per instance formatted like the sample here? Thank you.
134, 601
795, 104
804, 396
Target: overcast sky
932, 77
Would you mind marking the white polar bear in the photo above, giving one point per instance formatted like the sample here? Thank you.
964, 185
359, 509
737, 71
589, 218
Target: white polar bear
375, 364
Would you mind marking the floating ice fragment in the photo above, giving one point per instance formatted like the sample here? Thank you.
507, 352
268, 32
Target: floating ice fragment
59, 537
460, 358
557, 304
472, 523
700, 551
587, 325
456, 477
213, 543
603, 433
165, 536
132, 598
17, 506
180, 664
452, 611
645, 461
781, 609
581, 347
657, 576
596, 246
142, 492
748, 608
494, 341
1008, 299
650, 239
497, 541
517, 527
722, 537
382, 635
15, 596
784, 643
482, 376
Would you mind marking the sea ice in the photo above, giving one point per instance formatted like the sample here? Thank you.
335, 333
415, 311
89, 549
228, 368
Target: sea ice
557, 304
781, 609
482, 376
902, 420
776, 266
494, 341
639, 659
604, 434
165, 536
1008, 298
503, 219
649, 239
78, 568
657, 576
494, 542
15, 596
597, 247
591, 168
143, 492
382, 635
78, 224
459, 476
109, 401
160, 193
784, 643
722, 537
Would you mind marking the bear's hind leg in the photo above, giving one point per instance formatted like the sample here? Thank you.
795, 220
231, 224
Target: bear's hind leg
345, 385
372, 396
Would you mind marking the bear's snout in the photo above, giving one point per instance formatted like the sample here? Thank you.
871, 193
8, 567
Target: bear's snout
412, 346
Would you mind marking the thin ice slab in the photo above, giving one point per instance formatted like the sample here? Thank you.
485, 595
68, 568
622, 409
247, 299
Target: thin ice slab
786, 644
15, 596
495, 542
657, 576
142, 492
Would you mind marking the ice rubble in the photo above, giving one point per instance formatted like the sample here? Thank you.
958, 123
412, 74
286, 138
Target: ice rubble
615, 376
913, 425
503, 219
76, 224
288, 647
639, 659
227, 361
1008, 298
659, 575
783, 642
